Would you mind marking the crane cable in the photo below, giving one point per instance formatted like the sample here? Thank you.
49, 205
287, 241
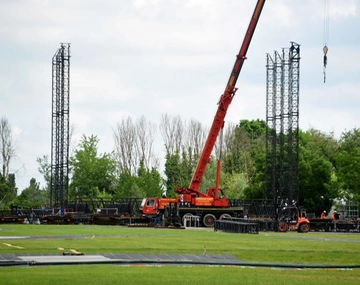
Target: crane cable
326, 33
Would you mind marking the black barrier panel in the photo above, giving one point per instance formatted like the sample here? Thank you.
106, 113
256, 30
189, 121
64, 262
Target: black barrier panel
236, 226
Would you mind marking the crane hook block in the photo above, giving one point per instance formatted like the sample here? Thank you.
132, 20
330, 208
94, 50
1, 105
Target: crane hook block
325, 49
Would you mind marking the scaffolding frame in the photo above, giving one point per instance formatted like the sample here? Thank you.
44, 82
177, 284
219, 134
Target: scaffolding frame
59, 181
282, 121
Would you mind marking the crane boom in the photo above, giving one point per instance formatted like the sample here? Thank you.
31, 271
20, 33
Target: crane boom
224, 102
209, 206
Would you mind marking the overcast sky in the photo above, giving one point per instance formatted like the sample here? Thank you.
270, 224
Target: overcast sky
151, 57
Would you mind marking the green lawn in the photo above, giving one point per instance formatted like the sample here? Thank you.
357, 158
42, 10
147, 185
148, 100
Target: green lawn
269, 247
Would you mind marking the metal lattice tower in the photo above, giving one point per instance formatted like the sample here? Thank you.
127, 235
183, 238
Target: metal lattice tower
282, 120
59, 184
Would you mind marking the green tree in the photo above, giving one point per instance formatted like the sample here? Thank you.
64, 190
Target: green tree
254, 128
12, 184
245, 160
320, 143
149, 181
314, 180
5, 192
209, 177
255, 188
348, 163
176, 171
8, 190
45, 169
179, 171
32, 196
317, 184
91, 172
316, 177
126, 186
234, 185
235, 158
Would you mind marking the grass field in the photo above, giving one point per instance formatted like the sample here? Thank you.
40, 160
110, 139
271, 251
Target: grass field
291, 247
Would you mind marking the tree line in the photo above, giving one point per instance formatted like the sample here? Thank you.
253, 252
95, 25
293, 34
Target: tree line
329, 168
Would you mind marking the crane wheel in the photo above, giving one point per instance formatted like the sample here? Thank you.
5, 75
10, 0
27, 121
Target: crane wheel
304, 228
283, 227
209, 220
225, 216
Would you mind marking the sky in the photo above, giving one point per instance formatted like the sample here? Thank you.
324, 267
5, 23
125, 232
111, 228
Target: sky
153, 57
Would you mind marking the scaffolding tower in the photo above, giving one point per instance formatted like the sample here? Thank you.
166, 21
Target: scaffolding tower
282, 120
348, 209
59, 183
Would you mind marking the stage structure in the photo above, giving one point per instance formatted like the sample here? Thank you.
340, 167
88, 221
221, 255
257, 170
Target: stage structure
282, 120
59, 184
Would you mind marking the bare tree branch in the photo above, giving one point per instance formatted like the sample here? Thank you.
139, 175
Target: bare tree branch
73, 144
125, 145
134, 144
146, 132
229, 136
7, 145
196, 136
172, 131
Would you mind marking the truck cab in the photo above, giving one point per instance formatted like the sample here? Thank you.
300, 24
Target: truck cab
149, 206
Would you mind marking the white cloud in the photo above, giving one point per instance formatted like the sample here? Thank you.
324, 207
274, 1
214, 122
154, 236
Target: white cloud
339, 10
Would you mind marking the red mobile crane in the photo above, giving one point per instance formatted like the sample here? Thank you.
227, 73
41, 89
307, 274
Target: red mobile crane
210, 205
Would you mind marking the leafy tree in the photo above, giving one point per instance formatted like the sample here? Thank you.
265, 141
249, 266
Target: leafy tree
126, 186
148, 183
209, 177
12, 184
245, 159
176, 173
320, 143
179, 171
254, 128
350, 139
348, 162
91, 172
256, 175
234, 185
316, 178
236, 153
45, 169
32, 196
5, 192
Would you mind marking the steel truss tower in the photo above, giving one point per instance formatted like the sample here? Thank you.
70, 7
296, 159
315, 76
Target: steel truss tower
59, 184
282, 120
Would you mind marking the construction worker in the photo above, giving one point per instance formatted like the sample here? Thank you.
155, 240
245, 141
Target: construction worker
323, 215
157, 221
335, 216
